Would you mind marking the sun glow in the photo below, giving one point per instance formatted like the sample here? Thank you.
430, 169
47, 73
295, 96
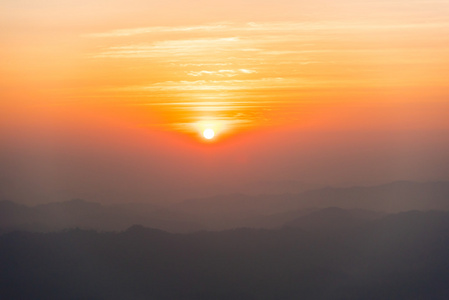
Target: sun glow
227, 73
210, 129
208, 133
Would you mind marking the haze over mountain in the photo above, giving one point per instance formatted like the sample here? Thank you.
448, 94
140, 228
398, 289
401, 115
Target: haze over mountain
228, 211
89, 215
261, 210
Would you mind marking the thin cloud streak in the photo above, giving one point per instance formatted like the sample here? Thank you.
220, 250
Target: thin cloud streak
268, 27
285, 62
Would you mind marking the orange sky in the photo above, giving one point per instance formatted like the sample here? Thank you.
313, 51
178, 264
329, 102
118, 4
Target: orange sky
288, 75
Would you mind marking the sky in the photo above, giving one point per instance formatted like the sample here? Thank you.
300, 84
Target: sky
108, 101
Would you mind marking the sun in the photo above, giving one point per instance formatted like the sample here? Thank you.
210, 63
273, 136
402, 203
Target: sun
208, 133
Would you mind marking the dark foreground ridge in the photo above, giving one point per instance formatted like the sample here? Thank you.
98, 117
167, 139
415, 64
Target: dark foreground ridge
401, 256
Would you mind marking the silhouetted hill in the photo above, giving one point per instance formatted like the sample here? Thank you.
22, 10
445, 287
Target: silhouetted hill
12, 212
334, 219
402, 256
268, 211
225, 211
89, 215
14, 216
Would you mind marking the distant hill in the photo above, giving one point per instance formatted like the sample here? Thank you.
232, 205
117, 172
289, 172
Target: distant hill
229, 211
334, 219
89, 215
268, 211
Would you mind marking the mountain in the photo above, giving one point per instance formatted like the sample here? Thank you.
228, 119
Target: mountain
268, 211
227, 211
90, 215
334, 219
400, 256
13, 215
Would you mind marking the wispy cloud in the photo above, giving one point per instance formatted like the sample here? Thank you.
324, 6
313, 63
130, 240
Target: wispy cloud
225, 85
267, 27
268, 60
164, 49
157, 29
221, 73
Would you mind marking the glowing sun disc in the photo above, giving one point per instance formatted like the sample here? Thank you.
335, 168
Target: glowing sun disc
208, 133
